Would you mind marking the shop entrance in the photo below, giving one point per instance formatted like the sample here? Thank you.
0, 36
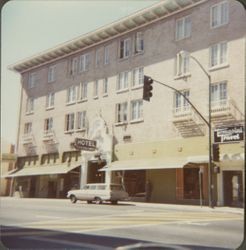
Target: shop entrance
134, 181
233, 188
95, 176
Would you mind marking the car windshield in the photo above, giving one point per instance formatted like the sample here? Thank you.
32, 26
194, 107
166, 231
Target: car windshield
116, 187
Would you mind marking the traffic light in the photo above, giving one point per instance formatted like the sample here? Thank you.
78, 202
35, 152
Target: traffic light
147, 88
216, 152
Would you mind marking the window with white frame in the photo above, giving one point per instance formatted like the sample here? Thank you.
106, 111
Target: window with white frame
74, 67
138, 77
106, 54
97, 58
28, 128
219, 94
121, 112
48, 125
105, 86
51, 73
219, 14
136, 110
69, 122
180, 103
81, 120
123, 79
183, 28
83, 90
125, 48
182, 64
139, 42
96, 84
84, 62
218, 54
71, 94
50, 100
30, 105
32, 78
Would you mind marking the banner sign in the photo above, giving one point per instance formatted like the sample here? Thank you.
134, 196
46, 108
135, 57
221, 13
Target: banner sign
229, 134
84, 144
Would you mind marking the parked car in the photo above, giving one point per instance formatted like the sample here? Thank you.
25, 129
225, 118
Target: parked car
98, 192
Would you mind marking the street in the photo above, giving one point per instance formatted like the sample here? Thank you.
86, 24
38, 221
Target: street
57, 223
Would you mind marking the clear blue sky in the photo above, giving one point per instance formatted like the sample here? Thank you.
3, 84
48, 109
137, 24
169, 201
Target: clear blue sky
31, 26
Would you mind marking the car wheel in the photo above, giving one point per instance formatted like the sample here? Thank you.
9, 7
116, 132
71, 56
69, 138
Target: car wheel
73, 198
114, 202
89, 202
98, 200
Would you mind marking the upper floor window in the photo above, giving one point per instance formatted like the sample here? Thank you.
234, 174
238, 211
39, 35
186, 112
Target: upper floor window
28, 128
74, 67
180, 103
71, 94
69, 122
50, 100
51, 73
121, 112
32, 78
96, 83
123, 79
182, 64
125, 48
83, 91
30, 105
106, 54
139, 42
218, 54
105, 86
97, 58
48, 125
81, 120
138, 77
219, 94
136, 110
219, 14
183, 28
84, 62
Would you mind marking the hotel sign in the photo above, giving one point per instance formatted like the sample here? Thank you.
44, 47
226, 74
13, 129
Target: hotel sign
229, 134
84, 144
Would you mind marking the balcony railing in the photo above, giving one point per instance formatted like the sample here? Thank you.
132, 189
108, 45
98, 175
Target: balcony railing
49, 135
28, 138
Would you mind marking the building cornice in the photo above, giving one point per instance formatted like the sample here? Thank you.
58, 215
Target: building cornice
115, 29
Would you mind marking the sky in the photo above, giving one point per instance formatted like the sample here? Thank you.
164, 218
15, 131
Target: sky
31, 26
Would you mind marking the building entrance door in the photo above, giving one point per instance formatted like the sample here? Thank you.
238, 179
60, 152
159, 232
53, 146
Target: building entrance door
233, 188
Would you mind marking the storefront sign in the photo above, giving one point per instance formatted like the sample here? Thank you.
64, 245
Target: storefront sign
84, 144
229, 134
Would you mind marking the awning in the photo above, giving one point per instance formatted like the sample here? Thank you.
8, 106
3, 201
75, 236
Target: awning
43, 170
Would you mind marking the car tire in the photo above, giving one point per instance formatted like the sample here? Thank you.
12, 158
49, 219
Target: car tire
89, 202
73, 198
114, 202
98, 200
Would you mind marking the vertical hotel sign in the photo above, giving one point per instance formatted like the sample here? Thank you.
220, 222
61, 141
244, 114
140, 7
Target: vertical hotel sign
229, 134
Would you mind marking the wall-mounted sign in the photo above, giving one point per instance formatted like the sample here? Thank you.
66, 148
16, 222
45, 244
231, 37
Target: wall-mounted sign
229, 134
84, 144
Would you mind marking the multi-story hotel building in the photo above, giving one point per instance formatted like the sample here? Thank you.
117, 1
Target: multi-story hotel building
92, 88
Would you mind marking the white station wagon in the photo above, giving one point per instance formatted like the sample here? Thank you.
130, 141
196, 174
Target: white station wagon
98, 192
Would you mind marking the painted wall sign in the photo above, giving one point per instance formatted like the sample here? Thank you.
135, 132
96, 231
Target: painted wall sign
229, 134
84, 144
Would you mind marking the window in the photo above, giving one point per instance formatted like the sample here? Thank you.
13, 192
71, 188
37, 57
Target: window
83, 91
180, 103
84, 62
218, 54
138, 77
121, 112
74, 66
182, 64
139, 42
81, 120
183, 28
71, 94
219, 14
106, 55
123, 81
69, 122
30, 105
125, 48
96, 83
219, 94
50, 100
32, 80
136, 110
51, 73
97, 58
105, 86
28, 128
48, 125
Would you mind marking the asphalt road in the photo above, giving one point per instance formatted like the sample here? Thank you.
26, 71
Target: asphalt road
59, 224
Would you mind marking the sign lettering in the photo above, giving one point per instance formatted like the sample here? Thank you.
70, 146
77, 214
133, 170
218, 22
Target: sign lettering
84, 144
229, 134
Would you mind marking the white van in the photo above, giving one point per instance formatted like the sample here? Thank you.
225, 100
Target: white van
98, 192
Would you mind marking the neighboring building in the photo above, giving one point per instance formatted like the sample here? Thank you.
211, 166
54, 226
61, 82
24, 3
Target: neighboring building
91, 88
